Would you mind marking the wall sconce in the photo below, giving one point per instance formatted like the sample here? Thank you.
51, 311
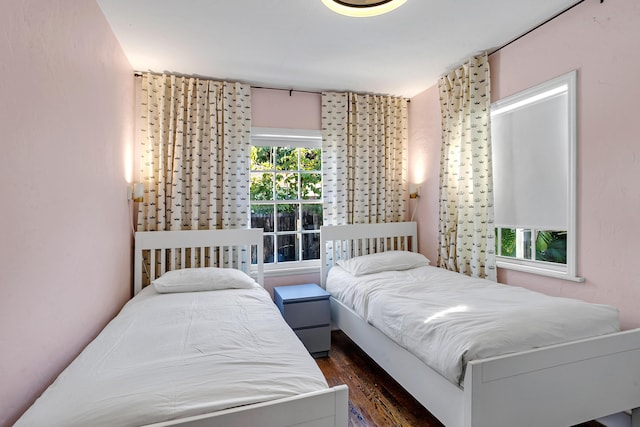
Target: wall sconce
135, 192
414, 191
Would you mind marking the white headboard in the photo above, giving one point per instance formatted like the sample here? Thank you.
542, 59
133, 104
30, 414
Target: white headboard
159, 251
346, 241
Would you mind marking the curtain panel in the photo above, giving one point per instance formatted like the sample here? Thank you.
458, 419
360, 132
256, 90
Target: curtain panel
195, 139
364, 158
466, 231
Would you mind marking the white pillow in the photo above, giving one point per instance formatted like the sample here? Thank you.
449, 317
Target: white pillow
383, 261
203, 279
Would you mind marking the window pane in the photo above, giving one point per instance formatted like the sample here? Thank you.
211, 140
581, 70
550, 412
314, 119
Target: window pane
311, 184
551, 246
310, 159
523, 238
508, 242
311, 217
288, 247
268, 248
261, 158
262, 217
311, 246
286, 159
287, 186
261, 186
288, 217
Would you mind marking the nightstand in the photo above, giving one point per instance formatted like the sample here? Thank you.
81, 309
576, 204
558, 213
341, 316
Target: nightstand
306, 309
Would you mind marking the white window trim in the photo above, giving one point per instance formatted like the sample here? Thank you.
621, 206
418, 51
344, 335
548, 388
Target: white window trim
519, 100
299, 138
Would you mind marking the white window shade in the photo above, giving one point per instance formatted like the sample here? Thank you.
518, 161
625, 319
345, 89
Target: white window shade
531, 161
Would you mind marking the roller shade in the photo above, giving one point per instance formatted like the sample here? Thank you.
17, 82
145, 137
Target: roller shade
531, 161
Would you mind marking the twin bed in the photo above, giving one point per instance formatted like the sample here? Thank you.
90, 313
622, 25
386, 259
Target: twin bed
207, 347
200, 347
474, 353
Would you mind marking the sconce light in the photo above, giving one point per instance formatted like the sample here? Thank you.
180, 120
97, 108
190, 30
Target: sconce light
414, 191
136, 192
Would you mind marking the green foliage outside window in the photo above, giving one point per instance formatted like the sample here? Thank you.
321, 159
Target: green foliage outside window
508, 242
286, 179
550, 246
286, 158
310, 159
261, 158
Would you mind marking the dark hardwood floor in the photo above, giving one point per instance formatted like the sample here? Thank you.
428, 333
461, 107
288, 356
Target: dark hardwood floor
375, 399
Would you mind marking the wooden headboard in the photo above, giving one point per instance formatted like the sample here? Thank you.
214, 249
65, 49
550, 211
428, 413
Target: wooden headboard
159, 251
347, 241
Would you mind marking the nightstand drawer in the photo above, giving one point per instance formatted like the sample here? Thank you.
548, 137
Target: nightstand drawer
307, 313
316, 340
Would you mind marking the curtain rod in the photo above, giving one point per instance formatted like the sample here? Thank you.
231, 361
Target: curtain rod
139, 74
538, 26
288, 90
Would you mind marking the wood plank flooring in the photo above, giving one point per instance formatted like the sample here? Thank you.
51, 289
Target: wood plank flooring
375, 399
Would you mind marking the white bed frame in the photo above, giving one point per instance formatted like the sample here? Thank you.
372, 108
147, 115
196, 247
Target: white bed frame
232, 248
560, 385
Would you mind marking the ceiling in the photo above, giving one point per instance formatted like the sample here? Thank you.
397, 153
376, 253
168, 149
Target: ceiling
302, 45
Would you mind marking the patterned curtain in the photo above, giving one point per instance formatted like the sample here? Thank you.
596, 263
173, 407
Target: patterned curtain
195, 145
364, 149
467, 234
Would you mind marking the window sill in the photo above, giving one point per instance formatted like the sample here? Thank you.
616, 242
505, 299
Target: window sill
539, 269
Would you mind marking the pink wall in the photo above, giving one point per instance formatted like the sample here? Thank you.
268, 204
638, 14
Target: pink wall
279, 109
601, 42
66, 120
424, 168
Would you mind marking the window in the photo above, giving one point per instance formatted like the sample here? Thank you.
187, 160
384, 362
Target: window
286, 194
534, 173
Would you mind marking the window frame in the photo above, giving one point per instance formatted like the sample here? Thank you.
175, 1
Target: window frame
298, 138
531, 95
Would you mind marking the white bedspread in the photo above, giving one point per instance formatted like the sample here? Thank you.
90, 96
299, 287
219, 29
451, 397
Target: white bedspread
168, 356
447, 319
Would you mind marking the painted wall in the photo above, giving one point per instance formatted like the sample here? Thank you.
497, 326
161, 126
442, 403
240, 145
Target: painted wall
279, 109
424, 168
66, 93
600, 40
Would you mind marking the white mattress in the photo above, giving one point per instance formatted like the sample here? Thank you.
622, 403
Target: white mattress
447, 319
168, 356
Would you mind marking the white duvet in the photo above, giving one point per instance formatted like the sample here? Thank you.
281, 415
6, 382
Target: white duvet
168, 356
447, 319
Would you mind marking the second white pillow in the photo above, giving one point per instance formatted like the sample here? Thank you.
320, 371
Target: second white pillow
383, 261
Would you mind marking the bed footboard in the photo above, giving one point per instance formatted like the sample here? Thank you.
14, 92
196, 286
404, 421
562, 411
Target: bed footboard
325, 408
558, 385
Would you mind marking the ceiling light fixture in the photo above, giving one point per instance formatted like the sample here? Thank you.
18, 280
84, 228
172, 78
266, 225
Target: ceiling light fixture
362, 8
